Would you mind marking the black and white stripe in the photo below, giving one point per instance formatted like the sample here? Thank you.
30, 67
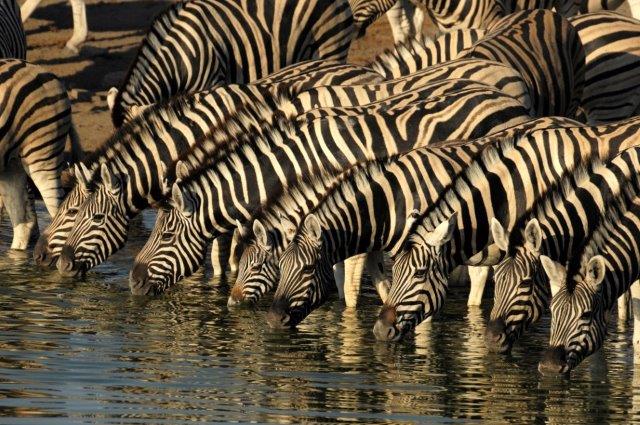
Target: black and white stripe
164, 132
503, 183
556, 227
13, 42
208, 203
587, 288
35, 121
196, 44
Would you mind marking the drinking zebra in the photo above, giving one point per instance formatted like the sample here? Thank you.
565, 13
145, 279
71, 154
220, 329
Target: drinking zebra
503, 183
196, 44
35, 121
586, 289
556, 227
365, 210
174, 127
208, 203
13, 42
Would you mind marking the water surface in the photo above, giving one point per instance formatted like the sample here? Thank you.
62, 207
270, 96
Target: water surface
86, 351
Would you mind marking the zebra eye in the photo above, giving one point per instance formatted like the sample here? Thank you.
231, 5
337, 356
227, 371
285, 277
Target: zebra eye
72, 211
420, 273
167, 236
586, 316
97, 218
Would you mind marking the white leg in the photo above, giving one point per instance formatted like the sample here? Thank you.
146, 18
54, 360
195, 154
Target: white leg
405, 20
80, 29
19, 205
338, 276
27, 8
111, 97
478, 277
635, 308
235, 252
375, 269
220, 254
353, 268
623, 307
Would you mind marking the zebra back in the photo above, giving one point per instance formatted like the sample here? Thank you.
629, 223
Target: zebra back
225, 41
421, 53
13, 41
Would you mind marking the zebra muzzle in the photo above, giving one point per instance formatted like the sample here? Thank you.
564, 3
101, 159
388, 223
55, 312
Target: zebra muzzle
41, 253
139, 279
554, 362
496, 337
385, 327
66, 262
278, 316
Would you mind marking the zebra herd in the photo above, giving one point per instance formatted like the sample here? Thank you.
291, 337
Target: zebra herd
510, 141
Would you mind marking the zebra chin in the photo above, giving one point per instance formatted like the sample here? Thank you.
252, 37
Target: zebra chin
42, 255
498, 338
68, 265
237, 297
140, 283
555, 361
281, 316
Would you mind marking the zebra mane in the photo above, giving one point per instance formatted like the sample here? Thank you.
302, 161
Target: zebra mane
557, 193
397, 56
609, 223
171, 13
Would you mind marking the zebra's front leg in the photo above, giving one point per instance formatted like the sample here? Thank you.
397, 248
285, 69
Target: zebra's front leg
375, 269
634, 6
353, 269
338, 277
635, 309
220, 251
478, 277
19, 205
80, 29
623, 307
27, 9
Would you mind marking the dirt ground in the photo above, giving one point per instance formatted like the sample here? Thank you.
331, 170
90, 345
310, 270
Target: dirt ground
115, 30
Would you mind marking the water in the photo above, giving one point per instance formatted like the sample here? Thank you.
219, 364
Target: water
86, 351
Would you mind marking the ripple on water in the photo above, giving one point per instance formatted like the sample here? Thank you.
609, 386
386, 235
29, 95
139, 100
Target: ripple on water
77, 351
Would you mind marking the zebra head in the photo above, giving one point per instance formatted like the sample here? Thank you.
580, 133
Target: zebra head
175, 249
420, 272
521, 291
100, 229
306, 277
258, 269
51, 241
578, 315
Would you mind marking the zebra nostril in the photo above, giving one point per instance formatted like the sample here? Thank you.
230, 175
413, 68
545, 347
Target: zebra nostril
138, 279
554, 361
388, 315
237, 296
496, 338
41, 254
277, 317
67, 259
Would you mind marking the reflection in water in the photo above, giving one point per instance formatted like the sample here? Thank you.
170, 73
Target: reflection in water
77, 351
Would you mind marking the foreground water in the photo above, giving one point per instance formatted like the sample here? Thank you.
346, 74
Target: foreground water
86, 351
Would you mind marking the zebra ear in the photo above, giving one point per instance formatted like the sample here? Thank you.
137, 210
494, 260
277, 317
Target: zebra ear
556, 272
533, 235
443, 232
500, 236
289, 228
490, 256
111, 182
182, 171
82, 174
260, 233
596, 269
241, 230
312, 227
181, 201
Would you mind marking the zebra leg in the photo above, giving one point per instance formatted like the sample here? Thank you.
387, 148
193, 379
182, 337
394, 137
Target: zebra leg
405, 19
635, 308
338, 276
19, 205
623, 307
220, 250
478, 277
27, 8
375, 269
634, 6
111, 97
80, 29
353, 269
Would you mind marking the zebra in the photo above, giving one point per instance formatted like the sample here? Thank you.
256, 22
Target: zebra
503, 183
557, 226
90, 243
13, 42
182, 122
612, 52
196, 44
551, 61
208, 203
406, 20
35, 121
80, 27
365, 210
586, 289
